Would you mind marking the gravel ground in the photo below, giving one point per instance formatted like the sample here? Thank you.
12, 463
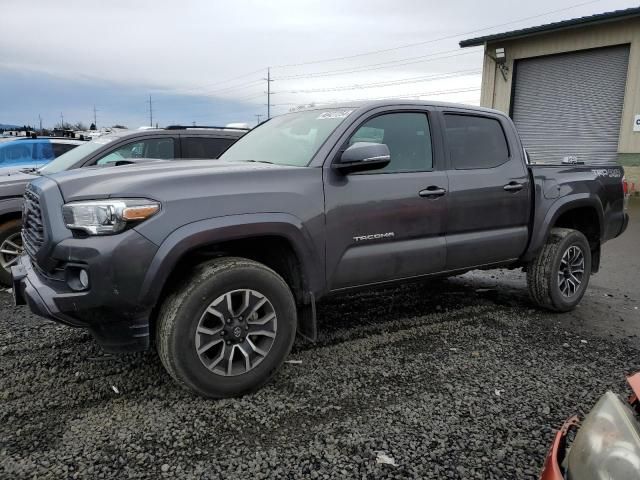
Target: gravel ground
451, 379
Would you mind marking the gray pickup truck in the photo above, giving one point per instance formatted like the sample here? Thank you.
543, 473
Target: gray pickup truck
220, 264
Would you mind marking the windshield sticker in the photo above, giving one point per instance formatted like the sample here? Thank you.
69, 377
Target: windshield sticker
334, 114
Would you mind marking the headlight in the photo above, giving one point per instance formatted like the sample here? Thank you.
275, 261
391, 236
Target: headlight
607, 444
106, 217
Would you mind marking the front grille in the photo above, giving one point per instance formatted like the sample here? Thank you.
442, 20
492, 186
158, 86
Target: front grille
32, 227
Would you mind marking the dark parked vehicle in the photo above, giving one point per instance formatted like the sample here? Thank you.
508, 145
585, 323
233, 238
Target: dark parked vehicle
114, 149
221, 263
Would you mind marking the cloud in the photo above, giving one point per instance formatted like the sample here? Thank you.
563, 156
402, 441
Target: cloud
192, 48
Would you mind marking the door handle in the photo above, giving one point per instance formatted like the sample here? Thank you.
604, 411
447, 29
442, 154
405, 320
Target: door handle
513, 187
432, 192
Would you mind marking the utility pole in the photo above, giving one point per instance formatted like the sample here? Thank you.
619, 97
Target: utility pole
95, 117
150, 112
61, 121
268, 79
40, 121
258, 116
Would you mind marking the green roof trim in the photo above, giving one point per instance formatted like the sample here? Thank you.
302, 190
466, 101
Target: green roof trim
550, 27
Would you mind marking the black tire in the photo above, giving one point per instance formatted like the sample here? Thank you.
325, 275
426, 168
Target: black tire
543, 271
7, 230
181, 313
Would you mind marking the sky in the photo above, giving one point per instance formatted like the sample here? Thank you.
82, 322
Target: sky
205, 61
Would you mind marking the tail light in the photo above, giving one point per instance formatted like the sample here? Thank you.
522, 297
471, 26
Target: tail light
625, 186
627, 193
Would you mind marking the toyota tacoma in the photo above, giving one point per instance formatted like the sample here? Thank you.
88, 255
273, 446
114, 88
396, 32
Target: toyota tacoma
220, 264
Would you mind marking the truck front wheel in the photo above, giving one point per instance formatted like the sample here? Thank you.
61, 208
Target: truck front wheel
227, 330
559, 275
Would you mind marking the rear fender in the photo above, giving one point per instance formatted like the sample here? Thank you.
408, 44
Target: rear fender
542, 228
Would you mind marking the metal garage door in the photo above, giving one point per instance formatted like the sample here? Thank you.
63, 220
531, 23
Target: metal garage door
570, 105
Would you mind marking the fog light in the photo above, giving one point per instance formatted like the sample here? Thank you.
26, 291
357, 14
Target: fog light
83, 277
77, 278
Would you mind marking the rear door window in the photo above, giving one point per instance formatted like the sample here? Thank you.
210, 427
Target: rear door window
204, 147
475, 142
161, 148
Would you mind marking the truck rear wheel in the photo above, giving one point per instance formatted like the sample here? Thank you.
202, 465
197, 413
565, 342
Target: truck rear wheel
10, 249
227, 330
559, 275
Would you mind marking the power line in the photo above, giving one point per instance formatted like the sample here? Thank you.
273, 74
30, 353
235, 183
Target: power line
224, 81
425, 42
423, 94
369, 53
411, 95
235, 87
369, 67
383, 65
423, 78
251, 97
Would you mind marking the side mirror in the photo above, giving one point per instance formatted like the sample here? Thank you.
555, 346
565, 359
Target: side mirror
363, 156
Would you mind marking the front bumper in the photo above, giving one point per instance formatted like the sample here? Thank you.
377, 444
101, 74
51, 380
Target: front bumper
110, 308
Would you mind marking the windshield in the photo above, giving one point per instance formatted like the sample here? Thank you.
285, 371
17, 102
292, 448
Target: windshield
67, 160
291, 139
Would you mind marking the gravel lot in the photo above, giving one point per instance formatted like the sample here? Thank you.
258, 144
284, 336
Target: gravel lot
454, 379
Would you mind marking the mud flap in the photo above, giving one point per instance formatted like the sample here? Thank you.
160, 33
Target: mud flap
307, 325
595, 258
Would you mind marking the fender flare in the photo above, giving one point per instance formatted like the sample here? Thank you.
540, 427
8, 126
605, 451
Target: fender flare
233, 227
541, 232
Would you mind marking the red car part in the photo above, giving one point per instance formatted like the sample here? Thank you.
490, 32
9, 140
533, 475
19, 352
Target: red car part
634, 383
551, 469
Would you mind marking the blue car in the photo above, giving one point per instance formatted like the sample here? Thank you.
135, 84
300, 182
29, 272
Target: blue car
25, 152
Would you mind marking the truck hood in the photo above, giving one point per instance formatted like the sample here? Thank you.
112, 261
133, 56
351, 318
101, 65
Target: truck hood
156, 180
190, 191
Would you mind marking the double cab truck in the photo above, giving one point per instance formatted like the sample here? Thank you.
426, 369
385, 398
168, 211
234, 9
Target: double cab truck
219, 264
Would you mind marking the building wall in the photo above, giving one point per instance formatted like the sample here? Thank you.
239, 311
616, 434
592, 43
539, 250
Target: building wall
496, 92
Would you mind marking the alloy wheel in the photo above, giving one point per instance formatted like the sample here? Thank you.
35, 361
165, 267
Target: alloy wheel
236, 332
571, 271
10, 251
